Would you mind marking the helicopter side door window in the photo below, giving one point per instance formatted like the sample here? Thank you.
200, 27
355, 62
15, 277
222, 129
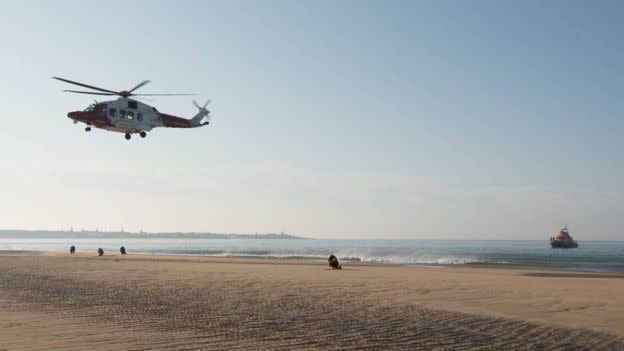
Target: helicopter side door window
130, 115
139, 116
122, 114
132, 104
112, 112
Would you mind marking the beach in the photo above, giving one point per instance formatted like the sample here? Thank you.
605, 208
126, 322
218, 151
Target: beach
143, 302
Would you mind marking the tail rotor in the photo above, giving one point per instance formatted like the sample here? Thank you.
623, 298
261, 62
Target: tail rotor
203, 116
202, 108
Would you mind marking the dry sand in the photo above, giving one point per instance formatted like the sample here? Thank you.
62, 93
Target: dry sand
151, 302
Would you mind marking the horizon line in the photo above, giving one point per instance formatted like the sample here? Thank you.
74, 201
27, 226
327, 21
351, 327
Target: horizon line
294, 236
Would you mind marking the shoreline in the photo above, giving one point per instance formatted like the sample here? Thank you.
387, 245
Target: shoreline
553, 270
308, 260
595, 257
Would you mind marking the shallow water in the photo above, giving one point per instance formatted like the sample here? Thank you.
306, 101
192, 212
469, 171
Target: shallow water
591, 255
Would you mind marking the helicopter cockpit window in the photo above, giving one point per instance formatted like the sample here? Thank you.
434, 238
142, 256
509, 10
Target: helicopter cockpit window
122, 113
132, 104
90, 108
112, 112
130, 115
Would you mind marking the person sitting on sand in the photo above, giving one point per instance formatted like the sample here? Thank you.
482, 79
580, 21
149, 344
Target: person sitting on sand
100, 252
122, 250
72, 250
333, 262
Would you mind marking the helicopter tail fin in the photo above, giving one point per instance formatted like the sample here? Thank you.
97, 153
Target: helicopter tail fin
199, 117
202, 115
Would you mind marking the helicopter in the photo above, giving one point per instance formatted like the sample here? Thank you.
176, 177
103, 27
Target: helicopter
128, 115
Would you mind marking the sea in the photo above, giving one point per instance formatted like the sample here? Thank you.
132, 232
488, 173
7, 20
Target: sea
599, 256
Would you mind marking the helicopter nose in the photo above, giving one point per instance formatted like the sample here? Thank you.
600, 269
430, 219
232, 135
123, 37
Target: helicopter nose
72, 115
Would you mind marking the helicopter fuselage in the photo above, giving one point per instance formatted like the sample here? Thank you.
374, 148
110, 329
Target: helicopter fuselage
129, 116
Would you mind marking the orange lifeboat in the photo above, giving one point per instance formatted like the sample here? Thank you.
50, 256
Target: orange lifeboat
563, 240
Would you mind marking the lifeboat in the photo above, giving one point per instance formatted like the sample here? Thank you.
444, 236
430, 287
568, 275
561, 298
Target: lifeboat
563, 240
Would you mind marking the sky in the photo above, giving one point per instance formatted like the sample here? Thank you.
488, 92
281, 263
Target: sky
331, 119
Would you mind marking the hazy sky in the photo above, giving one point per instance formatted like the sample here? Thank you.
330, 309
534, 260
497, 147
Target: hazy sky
415, 119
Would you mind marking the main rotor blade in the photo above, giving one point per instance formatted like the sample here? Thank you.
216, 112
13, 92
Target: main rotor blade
164, 94
84, 85
88, 92
142, 99
139, 85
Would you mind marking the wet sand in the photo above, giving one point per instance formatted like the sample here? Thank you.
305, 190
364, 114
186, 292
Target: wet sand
186, 303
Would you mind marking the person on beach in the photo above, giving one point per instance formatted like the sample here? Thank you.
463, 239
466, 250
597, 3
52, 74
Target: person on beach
72, 250
122, 250
100, 252
333, 262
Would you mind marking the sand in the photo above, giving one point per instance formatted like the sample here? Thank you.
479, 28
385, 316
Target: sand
154, 302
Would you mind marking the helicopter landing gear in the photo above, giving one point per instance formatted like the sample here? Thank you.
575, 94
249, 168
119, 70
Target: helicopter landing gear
128, 136
142, 134
87, 128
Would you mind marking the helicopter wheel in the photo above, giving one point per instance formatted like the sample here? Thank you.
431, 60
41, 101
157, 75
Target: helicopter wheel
128, 136
143, 134
87, 129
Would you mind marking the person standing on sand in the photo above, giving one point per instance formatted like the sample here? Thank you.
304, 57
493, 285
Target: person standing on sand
100, 252
72, 250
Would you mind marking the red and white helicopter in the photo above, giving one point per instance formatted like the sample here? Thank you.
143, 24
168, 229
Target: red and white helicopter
126, 115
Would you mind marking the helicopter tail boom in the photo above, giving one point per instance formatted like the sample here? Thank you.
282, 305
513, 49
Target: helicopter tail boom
179, 122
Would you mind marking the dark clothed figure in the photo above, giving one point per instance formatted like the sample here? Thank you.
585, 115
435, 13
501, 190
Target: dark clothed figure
333, 262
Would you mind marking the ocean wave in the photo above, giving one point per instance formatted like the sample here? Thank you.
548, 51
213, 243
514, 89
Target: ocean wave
423, 261
264, 254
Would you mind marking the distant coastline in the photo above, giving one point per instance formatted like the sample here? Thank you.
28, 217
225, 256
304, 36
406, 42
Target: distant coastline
7, 233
